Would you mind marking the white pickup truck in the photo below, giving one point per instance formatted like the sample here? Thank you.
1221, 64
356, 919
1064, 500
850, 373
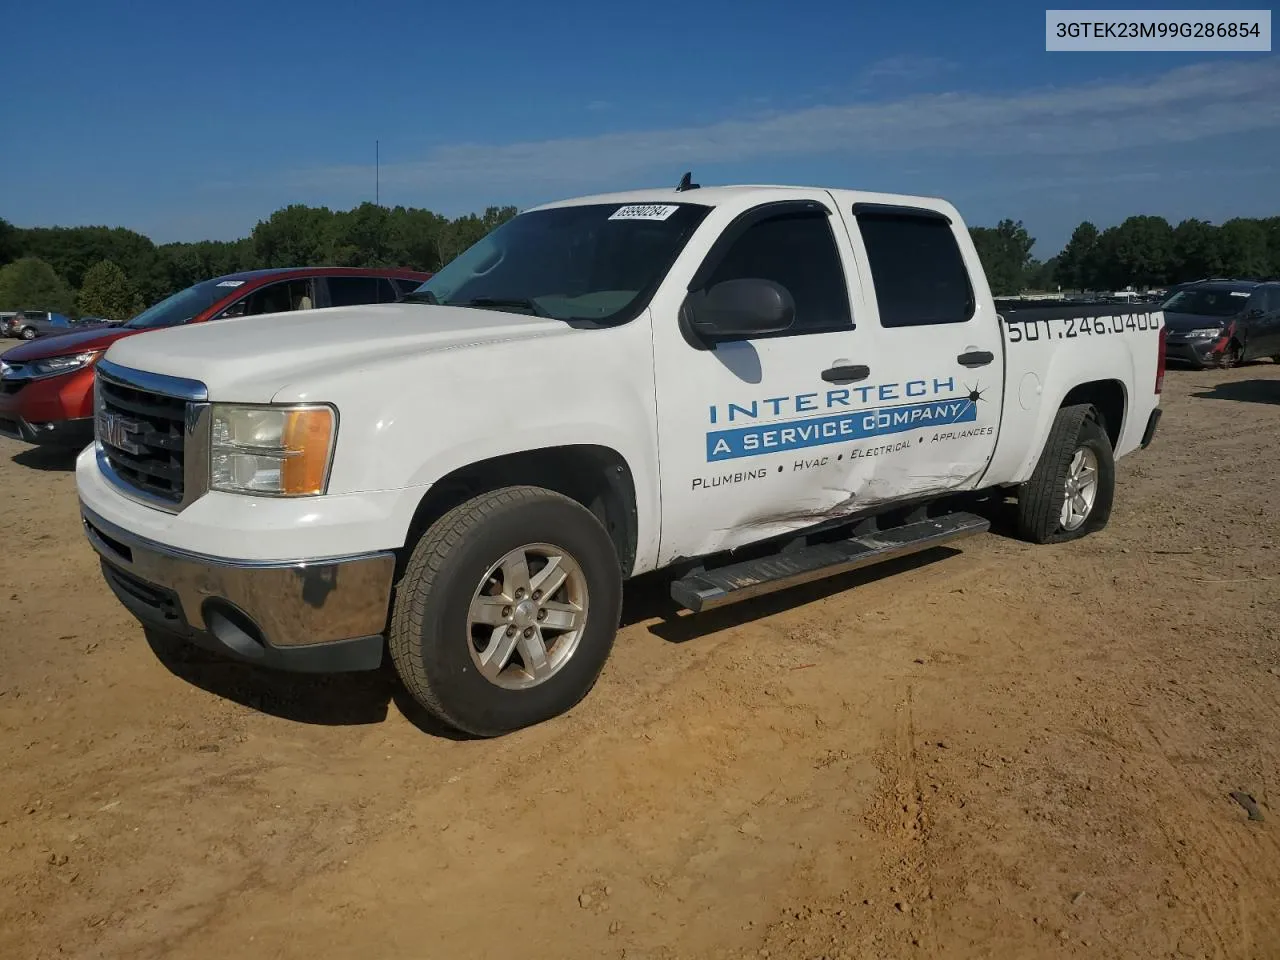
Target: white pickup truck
754, 386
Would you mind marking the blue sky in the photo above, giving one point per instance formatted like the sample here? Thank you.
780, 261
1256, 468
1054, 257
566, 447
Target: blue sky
189, 122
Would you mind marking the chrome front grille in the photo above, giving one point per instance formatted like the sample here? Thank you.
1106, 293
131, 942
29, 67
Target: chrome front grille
142, 436
152, 435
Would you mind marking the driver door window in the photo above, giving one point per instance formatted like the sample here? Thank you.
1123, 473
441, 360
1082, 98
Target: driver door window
798, 252
282, 297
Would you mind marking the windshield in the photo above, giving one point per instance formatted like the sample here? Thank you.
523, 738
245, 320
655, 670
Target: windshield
593, 262
1207, 303
183, 305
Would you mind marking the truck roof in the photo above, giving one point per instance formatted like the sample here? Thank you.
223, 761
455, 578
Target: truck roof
746, 192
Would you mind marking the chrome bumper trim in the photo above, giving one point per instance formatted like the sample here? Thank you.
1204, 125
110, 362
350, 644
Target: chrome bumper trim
294, 603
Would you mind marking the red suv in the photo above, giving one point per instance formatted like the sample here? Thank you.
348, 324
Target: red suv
46, 386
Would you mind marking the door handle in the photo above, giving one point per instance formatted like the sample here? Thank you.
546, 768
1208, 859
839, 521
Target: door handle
846, 373
976, 358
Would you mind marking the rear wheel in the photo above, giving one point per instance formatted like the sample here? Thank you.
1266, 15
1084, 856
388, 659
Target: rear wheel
1070, 492
507, 610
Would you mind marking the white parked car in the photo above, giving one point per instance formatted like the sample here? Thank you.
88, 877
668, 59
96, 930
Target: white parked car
601, 387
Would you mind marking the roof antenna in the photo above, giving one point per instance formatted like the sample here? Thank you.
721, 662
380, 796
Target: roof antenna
686, 183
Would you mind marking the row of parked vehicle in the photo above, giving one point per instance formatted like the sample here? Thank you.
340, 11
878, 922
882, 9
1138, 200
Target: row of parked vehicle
46, 387
31, 324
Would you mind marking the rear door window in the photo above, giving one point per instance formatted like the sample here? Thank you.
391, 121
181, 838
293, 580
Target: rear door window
918, 270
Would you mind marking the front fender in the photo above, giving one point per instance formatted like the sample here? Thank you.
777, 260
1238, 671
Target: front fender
411, 421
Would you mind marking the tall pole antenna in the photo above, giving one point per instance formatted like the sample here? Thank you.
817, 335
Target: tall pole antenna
377, 173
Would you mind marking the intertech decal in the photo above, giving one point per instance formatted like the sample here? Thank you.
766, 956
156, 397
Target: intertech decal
753, 438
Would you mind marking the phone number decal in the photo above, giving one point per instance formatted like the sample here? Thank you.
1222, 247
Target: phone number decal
1065, 328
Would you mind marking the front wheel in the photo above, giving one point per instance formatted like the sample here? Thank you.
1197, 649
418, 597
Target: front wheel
507, 610
1070, 492
27, 333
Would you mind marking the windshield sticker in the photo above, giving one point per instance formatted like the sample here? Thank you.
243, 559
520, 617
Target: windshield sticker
231, 283
644, 211
1239, 293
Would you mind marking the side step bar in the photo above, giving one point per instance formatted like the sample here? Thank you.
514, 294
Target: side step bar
751, 578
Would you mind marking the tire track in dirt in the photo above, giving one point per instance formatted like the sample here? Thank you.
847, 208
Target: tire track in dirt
901, 815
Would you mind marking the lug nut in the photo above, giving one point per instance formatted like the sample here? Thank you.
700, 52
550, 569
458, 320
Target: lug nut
506, 611
537, 594
542, 614
528, 632
511, 631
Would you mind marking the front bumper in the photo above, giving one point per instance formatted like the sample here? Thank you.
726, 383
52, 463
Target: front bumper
57, 410
312, 616
1197, 352
71, 434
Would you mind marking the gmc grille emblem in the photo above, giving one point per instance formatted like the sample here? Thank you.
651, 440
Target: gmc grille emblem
119, 432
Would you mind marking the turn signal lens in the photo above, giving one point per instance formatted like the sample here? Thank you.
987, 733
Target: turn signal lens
307, 435
271, 451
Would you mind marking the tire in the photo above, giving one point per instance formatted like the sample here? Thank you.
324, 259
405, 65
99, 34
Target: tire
436, 648
1231, 357
27, 333
1075, 430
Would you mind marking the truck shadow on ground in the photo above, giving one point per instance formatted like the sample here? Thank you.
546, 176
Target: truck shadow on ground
1244, 391
354, 699
339, 699
48, 459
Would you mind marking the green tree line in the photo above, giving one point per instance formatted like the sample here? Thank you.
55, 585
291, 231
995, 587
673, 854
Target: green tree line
113, 272
1142, 252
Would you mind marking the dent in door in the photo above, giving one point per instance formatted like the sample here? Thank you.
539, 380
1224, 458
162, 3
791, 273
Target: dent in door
864, 437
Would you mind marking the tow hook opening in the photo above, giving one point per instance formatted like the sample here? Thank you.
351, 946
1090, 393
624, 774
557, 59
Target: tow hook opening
234, 628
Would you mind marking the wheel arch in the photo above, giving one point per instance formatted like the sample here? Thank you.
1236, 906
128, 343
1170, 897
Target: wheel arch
1108, 398
598, 477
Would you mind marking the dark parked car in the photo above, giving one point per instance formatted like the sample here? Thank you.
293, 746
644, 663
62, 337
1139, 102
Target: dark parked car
46, 388
1223, 322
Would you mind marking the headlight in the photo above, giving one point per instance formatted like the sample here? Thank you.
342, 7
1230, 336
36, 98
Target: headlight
1205, 332
271, 451
52, 366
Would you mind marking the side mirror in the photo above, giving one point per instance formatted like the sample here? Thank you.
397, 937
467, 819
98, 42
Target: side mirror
739, 309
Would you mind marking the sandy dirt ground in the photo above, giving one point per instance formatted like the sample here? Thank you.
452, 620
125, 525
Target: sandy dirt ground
999, 751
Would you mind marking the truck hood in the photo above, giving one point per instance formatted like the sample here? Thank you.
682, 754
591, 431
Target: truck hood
250, 359
78, 341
